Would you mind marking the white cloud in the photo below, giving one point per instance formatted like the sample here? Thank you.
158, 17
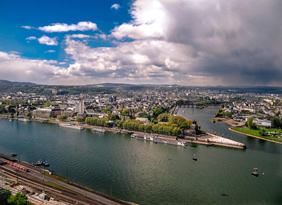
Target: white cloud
48, 41
62, 27
27, 27
31, 38
149, 21
80, 36
50, 51
191, 42
14, 67
115, 6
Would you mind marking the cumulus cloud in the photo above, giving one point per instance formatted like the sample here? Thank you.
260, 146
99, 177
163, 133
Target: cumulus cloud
48, 41
115, 6
189, 42
62, 27
230, 42
31, 38
14, 67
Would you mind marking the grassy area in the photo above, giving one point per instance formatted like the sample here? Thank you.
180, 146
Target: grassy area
246, 130
59, 187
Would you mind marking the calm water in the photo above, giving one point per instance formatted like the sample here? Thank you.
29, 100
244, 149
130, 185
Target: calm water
148, 173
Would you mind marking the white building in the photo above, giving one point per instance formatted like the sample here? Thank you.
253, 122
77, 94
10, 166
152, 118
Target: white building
263, 123
79, 107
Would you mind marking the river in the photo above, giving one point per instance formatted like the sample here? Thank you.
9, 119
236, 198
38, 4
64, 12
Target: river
148, 173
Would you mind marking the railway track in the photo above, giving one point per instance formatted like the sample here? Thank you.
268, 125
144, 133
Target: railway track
36, 184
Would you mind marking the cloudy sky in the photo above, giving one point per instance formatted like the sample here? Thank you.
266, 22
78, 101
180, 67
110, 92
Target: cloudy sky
186, 42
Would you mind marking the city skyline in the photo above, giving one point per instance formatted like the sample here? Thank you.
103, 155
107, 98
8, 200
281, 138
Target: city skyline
201, 43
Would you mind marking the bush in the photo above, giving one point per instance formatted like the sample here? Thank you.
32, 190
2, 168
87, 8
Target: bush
62, 117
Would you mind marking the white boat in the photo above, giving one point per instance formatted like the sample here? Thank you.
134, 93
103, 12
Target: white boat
23, 120
72, 126
98, 130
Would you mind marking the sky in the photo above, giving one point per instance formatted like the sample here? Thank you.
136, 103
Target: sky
185, 42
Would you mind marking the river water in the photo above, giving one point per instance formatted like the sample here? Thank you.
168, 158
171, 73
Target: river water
148, 173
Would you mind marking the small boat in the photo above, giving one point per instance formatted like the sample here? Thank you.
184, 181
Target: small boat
14, 154
255, 172
45, 164
10, 120
194, 157
39, 163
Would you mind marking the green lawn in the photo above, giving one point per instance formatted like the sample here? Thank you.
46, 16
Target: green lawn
256, 132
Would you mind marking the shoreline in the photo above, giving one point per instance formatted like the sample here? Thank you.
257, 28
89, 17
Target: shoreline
187, 139
254, 136
208, 141
229, 122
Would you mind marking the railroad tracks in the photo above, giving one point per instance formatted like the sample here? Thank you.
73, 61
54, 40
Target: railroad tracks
38, 184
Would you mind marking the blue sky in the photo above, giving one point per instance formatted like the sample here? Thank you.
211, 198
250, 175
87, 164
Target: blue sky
34, 13
187, 42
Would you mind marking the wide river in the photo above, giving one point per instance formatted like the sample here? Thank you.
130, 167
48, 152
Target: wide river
148, 173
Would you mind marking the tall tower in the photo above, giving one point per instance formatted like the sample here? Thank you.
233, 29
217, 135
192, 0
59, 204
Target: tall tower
81, 107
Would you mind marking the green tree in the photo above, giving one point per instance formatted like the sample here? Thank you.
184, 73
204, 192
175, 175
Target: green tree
18, 199
2, 109
275, 122
7, 193
114, 117
163, 117
186, 124
176, 120
80, 119
263, 132
125, 112
119, 123
62, 117
250, 124
176, 131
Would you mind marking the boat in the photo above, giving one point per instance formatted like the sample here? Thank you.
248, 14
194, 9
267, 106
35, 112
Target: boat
23, 120
98, 130
14, 154
38, 163
10, 120
45, 164
255, 172
194, 157
72, 126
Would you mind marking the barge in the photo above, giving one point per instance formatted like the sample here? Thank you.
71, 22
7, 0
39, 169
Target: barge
98, 130
71, 126
159, 140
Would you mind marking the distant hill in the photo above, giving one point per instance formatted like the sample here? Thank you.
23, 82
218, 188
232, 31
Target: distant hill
6, 82
92, 89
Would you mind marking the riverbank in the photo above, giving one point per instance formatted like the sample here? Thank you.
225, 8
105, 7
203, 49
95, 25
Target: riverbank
230, 122
277, 142
204, 139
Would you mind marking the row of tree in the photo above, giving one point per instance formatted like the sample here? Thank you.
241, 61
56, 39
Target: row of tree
160, 128
96, 121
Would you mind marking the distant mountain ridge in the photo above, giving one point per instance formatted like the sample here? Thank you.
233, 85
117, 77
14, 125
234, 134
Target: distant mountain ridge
6, 82
28, 87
